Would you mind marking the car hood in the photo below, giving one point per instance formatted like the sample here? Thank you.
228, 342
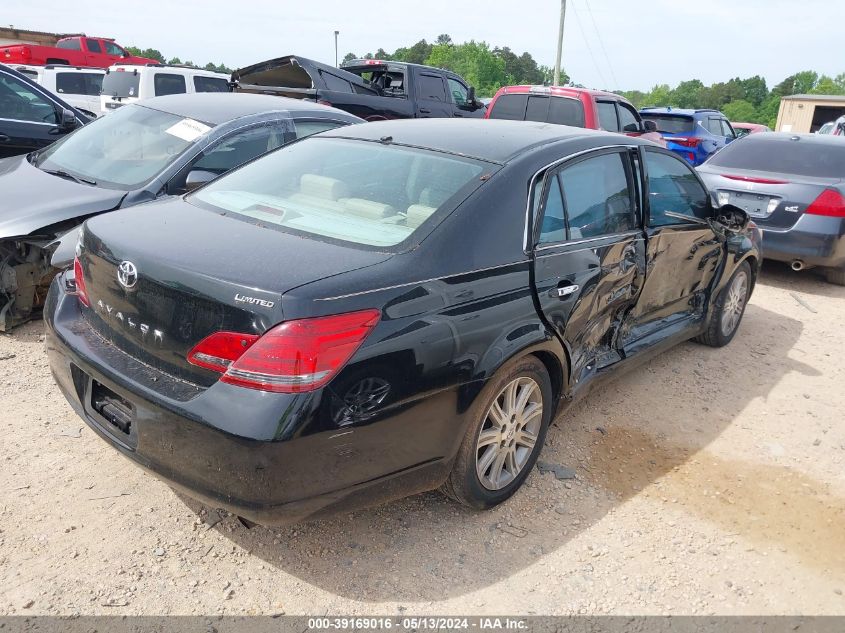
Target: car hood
33, 200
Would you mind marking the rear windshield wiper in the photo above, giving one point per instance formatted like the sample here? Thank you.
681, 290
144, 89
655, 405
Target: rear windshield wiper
63, 174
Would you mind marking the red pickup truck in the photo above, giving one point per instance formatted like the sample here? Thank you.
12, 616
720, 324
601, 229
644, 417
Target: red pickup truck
94, 52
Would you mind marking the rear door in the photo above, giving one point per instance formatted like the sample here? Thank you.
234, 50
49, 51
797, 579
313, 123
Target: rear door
589, 258
95, 55
682, 255
431, 95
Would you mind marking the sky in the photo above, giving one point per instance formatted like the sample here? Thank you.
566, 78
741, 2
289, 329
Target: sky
614, 44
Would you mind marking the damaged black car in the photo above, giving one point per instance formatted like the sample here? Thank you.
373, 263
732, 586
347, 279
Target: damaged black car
386, 309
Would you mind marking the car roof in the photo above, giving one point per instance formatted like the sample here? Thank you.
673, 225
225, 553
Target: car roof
679, 111
171, 68
219, 107
557, 91
494, 140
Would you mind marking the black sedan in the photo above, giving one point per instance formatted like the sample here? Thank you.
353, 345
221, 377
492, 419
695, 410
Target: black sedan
141, 152
793, 186
30, 116
388, 308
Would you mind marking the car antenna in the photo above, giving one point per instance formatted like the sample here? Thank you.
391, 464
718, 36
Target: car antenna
386, 139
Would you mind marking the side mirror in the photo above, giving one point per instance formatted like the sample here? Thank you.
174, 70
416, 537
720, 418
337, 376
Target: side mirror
632, 127
731, 217
197, 178
472, 102
67, 120
649, 126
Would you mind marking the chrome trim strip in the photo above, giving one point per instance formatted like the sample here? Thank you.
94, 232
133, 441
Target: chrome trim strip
526, 247
587, 240
29, 122
423, 281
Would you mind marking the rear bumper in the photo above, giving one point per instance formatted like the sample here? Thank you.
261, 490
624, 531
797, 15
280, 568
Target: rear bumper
286, 463
814, 240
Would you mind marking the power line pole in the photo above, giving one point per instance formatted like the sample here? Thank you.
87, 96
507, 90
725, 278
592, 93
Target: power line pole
559, 43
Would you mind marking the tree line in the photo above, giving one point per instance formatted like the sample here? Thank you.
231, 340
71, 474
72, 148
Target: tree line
748, 100
486, 68
153, 53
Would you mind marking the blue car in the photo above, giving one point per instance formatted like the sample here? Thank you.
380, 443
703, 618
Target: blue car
695, 135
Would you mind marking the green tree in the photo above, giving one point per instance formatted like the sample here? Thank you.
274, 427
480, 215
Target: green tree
828, 86
688, 93
416, 54
755, 89
740, 110
474, 61
150, 53
348, 58
443, 38
175, 61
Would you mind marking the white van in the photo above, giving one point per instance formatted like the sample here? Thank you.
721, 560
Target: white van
79, 87
125, 83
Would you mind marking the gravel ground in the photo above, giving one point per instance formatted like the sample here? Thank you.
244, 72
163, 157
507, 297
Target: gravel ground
708, 481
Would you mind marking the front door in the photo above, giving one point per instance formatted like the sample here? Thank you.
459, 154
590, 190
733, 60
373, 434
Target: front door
589, 259
431, 96
683, 255
28, 120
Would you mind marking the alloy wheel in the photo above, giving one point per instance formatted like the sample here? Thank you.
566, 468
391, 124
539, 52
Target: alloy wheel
734, 303
509, 433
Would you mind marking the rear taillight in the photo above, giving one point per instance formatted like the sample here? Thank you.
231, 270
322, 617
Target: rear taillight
762, 181
683, 141
829, 203
292, 357
79, 280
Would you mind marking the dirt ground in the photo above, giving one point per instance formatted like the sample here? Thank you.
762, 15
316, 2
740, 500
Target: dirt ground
708, 481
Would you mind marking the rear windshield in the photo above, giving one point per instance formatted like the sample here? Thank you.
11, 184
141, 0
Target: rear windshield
121, 83
670, 123
366, 193
542, 108
79, 83
784, 156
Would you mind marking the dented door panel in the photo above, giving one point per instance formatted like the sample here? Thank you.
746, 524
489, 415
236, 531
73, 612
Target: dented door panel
608, 275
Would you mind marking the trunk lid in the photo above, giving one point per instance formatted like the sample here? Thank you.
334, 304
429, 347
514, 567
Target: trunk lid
296, 77
188, 273
773, 200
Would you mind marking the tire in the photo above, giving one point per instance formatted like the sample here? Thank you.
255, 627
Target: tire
473, 481
729, 309
835, 276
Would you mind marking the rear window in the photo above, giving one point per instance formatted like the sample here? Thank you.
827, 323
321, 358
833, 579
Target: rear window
78, 83
335, 83
70, 45
121, 84
523, 107
366, 193
669, 123
784, 156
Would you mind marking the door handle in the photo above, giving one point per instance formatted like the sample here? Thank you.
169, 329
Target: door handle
425, 111
4, 138
565, 291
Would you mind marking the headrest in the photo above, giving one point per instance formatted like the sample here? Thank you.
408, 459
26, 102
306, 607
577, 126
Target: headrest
323, 187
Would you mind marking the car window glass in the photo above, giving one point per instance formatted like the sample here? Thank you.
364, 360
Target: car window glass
553, 224
597, 197
565, 111
168, 84
335, 83
607, 116
19, 102
93, 46
628, 120
93, 84
538, 109
71, 83
458, 91
726, 129
672, 186
210, 84
113, 49
70, 45
714, 127
510, 107
431, 88
239, 148
307, 128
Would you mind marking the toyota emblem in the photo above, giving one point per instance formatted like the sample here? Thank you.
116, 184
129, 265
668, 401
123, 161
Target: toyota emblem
127, 274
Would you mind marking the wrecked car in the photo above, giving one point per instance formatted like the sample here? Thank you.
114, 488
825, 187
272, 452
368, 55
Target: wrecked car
372, 89
141, 152
388, 308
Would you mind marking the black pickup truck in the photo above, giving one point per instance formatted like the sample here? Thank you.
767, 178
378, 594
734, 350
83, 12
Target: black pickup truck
374, 90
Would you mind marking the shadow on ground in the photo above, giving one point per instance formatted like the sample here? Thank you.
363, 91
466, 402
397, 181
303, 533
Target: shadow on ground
374, 555
806, 282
